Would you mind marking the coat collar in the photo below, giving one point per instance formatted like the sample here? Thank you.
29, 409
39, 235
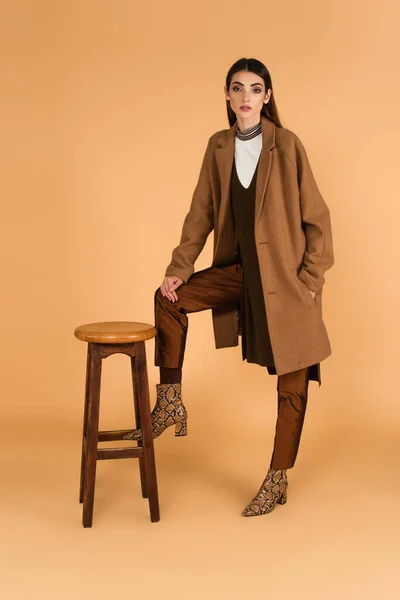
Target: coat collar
224, 157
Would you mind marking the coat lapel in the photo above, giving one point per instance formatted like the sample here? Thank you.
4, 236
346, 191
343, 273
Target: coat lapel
264, 167
224, 157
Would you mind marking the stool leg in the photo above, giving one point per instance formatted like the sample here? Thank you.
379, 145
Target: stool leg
85, 421
92, 434
138, 425
147, 433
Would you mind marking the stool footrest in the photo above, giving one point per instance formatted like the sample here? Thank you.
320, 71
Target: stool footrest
112, 436
107, 453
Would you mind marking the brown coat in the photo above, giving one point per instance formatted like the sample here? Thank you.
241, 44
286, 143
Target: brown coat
292, 234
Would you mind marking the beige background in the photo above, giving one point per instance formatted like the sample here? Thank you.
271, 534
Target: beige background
107, 109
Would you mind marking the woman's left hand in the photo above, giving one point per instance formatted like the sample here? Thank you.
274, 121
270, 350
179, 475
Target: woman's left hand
312, 294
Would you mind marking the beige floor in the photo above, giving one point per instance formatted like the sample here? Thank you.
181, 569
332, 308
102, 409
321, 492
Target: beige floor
336, 538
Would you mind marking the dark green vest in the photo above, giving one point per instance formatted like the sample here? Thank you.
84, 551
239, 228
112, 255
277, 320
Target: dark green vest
256, 345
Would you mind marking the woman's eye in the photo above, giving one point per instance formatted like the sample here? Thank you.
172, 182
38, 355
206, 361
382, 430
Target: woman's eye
238, 89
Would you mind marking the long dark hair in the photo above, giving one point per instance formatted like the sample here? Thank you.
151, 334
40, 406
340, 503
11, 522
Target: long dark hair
269, 110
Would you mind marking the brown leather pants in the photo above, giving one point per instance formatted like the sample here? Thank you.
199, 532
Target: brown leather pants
221, 287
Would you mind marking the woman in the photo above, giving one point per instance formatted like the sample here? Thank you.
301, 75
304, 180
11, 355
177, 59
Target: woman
272, 245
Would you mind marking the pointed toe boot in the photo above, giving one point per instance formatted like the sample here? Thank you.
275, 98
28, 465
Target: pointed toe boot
169, 410
272, 491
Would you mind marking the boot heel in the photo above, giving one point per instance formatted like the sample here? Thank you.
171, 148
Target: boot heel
180, 429
282, 499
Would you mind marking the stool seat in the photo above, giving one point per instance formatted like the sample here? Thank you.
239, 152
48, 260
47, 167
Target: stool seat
115, 332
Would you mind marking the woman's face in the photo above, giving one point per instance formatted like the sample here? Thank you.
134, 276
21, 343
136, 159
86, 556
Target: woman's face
247, 90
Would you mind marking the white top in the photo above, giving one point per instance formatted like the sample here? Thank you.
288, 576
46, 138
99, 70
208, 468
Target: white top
247, 153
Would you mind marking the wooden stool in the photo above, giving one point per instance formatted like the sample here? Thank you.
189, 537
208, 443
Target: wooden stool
104, 339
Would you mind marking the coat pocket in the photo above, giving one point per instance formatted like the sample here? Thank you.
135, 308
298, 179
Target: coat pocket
305, 291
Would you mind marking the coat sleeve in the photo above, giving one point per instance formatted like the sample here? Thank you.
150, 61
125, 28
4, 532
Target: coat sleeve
316, 223
198, 224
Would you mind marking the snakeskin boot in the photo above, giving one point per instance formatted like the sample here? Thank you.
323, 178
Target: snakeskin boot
169, 410
273, 490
